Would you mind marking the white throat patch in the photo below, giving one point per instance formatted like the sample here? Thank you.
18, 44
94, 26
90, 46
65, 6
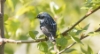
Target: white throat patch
41, 20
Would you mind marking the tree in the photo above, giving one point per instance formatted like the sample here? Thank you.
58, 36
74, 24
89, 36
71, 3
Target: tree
1, 26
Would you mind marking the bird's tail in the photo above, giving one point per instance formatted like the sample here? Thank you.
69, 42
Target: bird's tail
52, 39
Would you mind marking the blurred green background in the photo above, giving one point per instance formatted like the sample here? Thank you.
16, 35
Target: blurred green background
20, 22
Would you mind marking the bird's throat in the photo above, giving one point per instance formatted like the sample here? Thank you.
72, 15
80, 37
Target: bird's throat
41, 20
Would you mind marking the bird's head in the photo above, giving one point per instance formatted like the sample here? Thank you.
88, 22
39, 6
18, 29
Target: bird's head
43, 15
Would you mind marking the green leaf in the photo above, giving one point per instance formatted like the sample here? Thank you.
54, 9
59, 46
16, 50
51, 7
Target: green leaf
41, 36
61, 41
10, 4
86, 27
89, 50
43, 46
33, 34
76, 39
78, 32
83, 50
73, 32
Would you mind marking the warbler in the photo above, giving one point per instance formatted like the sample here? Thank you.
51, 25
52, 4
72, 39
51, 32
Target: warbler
47, 25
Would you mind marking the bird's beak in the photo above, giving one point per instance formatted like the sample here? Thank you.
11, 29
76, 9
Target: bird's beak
37, 16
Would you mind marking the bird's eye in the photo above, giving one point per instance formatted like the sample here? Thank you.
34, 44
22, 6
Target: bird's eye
42, 16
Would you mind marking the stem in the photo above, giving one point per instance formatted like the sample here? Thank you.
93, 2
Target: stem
1, 25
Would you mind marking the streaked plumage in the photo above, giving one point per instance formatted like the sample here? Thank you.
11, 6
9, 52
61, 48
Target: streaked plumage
47, 25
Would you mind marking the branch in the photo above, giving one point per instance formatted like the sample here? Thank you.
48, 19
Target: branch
40, 40
20, 41
84, 17
82, 37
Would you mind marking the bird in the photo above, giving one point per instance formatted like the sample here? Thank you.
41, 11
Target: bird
47, 25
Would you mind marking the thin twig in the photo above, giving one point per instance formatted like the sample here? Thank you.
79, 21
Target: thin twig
55, 47
84, 17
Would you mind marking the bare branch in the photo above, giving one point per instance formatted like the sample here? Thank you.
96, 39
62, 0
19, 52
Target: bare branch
84, 17
20, 41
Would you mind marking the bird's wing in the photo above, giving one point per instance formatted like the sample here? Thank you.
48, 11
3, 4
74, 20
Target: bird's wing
51, 25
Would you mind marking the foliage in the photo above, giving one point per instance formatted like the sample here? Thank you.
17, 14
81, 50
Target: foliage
21, 24
91, 4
